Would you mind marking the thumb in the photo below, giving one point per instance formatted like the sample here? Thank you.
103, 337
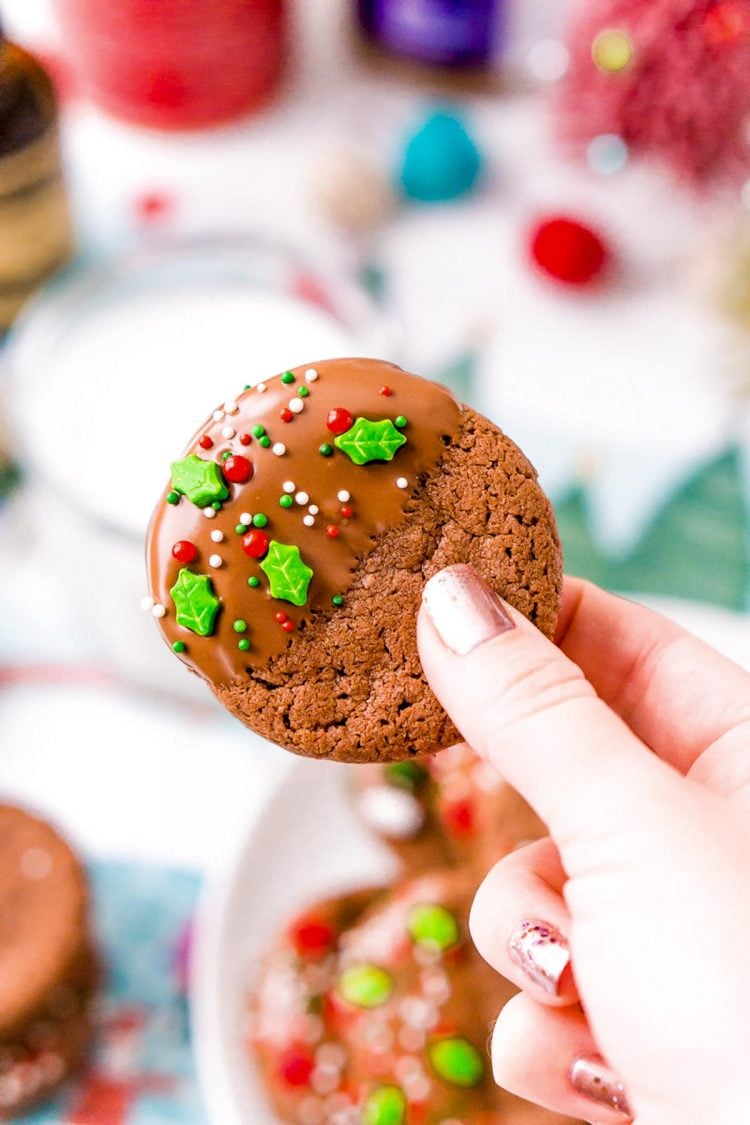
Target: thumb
528, 709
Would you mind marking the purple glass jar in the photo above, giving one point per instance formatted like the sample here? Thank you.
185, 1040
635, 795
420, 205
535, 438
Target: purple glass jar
456, 34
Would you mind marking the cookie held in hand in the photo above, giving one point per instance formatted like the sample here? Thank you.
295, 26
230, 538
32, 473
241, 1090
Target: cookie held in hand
288, 554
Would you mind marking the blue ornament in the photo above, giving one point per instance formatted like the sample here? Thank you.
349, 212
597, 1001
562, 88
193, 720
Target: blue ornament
441, 160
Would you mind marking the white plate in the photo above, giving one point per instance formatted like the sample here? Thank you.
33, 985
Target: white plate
304, 845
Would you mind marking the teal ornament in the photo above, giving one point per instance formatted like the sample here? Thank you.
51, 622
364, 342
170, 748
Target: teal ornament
441, 160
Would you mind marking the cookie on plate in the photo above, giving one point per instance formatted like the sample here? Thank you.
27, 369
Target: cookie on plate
288, 554
48, 969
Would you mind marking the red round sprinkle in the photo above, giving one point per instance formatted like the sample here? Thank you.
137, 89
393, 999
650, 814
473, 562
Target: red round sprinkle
287, 626
386, 391
459, 818
311, 937
206, 442
568, 251
280, 617
237, 469
347, 512
245, 439
255, 544
332, 531
296, 1066
339, 420
185, 551
286, 415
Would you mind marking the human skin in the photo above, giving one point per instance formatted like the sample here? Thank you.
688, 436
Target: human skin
627, 927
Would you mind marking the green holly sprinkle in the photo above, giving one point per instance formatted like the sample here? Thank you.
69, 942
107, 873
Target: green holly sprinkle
365, 986
303, 392
432, 927
287, 377
201, 481
173, 497
288, 575
243, 645
401, 421
240, 528
239, 626
253, 581
337, 599
179, 646
264, 441
386, 1106
258, 430
457, 1061
285, 501
370, 441
325, 449
406, 775
195, 602
261, 520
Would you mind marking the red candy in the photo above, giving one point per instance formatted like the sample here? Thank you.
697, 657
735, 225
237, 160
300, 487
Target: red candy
206, 442
245, 439
287, 626
185, 551
286, 415
296, 1066
339, 420
332, 531
237, 469
568, 251
459, 818
347, 512
386, 391
255, 544
280, 617
311, 938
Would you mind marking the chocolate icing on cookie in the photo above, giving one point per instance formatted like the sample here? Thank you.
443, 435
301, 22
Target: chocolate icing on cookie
277, 499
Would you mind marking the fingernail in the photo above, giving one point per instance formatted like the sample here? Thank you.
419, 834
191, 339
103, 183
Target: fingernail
593, 1079
541, 953
464, 610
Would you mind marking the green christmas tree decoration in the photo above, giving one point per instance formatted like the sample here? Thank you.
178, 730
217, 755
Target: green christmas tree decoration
432, 927
365, 986
457, 1061
201, 481
195, 602
385, 1106
370, 441
288, 575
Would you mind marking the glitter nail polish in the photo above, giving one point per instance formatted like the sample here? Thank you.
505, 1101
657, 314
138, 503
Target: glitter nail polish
593, 1079
541, 952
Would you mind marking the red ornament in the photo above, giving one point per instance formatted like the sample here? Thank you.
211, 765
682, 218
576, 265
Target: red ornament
287, 626
237, 469
311, 938
332, 531
568, 251
386, 391
206, 442
245, 439
296, 1066
286, 415
280, 617
459, 818
339, 420
347, 512
185, 551
255, 544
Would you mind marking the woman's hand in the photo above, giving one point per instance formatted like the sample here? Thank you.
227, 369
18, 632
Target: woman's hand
628, 928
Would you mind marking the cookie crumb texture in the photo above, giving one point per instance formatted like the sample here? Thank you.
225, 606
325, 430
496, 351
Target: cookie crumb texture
336, 673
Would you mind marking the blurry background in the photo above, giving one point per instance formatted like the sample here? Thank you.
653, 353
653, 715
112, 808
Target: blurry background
543, 204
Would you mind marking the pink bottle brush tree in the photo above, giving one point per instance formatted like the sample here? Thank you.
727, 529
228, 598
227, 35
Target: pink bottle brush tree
668, 79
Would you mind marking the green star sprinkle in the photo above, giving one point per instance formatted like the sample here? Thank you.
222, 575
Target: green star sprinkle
264, 441
288, 575
240, 528
287, 377
365, 986
457, 1061
239, 626
286, 501
173, 497
195, 602
260, 520
370, 441
179, 646
401, 421
432, 927
201, 481
325, 449
253, 581
258, 430
385, 1106
337, 599
406, 775
243, 645
303, 392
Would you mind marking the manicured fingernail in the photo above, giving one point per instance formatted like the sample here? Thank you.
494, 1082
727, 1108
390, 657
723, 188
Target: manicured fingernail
464, 610
593, 1079
541, 953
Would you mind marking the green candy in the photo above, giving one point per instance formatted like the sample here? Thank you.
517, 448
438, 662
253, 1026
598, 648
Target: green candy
179, 646
457, 1061
401, 421
285, 501
260, 520
326, 450
258, 430
195, 602
303, 392
432, 927
173, 497
239, 626
337, 599
385, 1106
253, 581
201, 481
240, 528
264, 441
244, 644
226, 455
370, 441
287, 377
406, 775
365, 986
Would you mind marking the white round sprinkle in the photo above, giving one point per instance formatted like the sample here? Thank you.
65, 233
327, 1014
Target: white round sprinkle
313, 509
308, 521
296, 405
147, 604
278, 448
209, 513
288, 485
302, 498
343, 496
215, 560
311, 375
159, 610
230, 406
217, 536
260, 388
402, 482
218, 415
246, 518
228, 432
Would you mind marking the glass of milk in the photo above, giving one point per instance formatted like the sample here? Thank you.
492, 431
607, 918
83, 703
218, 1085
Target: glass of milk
110, 372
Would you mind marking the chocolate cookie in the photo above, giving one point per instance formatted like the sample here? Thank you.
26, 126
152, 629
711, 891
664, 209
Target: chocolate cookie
449, 808
288, 554
47, 964
389, 1024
